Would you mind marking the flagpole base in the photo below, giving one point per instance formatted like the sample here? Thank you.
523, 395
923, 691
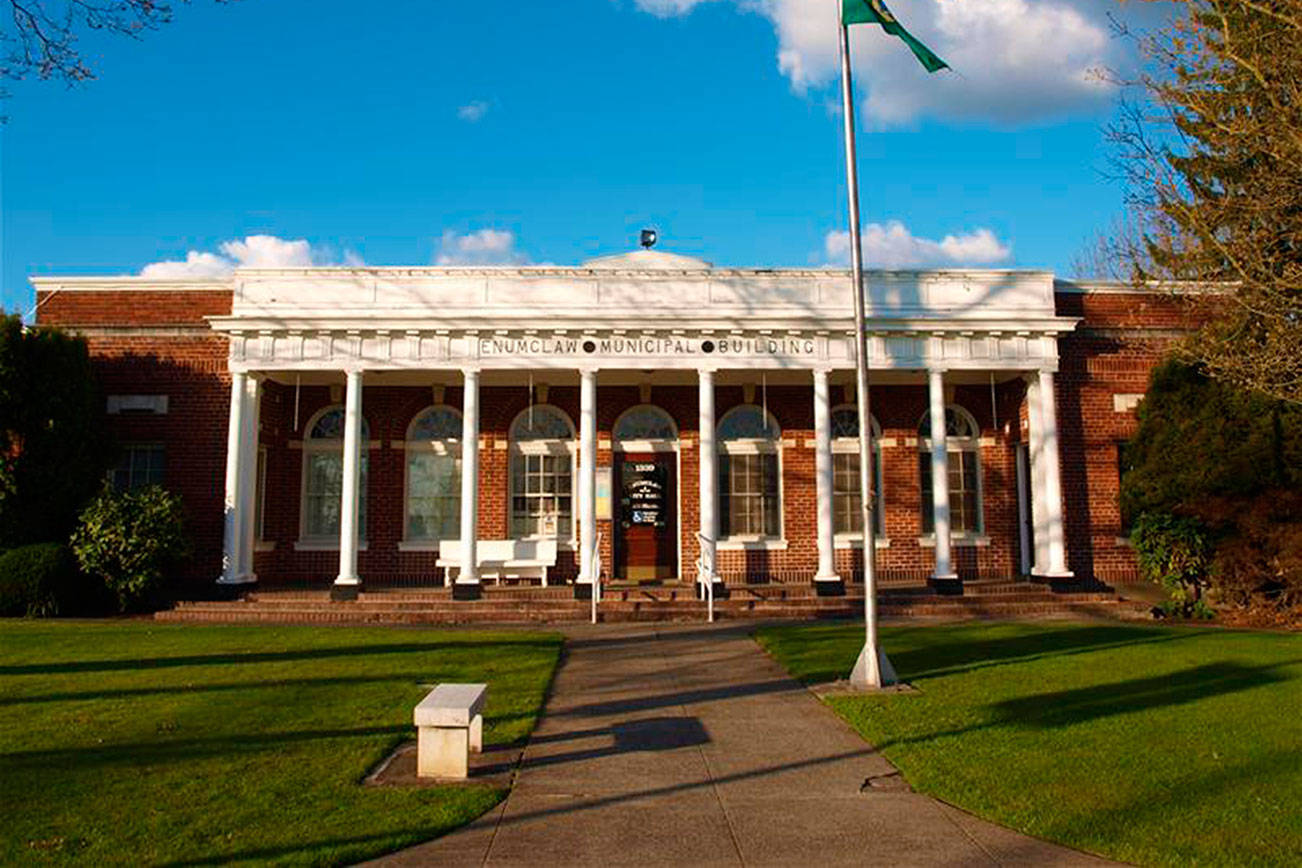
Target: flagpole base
870, 674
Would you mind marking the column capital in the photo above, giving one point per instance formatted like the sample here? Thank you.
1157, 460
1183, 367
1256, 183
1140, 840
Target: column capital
471, 370
709, 371
821, 372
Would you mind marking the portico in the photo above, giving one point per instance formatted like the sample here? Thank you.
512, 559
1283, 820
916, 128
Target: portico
681, 413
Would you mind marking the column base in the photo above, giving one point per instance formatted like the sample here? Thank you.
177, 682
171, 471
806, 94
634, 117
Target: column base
343, 592
830, 587
947, 586
1052, 575
236, 589
720, 590
467, 590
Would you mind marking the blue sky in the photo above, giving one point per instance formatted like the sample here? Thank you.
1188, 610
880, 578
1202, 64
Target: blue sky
410, 132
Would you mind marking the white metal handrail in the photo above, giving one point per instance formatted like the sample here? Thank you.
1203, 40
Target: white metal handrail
705, 573
595, 560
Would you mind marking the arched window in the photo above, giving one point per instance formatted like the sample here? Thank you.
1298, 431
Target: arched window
846, 509
542, 473
645, 424
963, 444
750, 490
323, 477
434, 475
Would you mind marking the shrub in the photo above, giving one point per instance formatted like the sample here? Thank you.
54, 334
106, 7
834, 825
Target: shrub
1175, 552
38, 581
1214, 476
1258, 559
131, 539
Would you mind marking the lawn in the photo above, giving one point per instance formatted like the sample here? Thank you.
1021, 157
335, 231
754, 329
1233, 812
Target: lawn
141, 743
1146, 744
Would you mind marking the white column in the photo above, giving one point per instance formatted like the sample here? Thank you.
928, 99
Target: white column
1035, 449
708, 473
823, 478
232, 568
349, 505
940, 476
587, 474
249, 474
1052, 478
468, 577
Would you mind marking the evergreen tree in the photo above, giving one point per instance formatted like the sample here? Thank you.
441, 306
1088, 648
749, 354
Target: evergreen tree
53, 452
1216, 175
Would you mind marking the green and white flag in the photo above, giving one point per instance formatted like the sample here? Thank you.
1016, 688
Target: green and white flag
875, 12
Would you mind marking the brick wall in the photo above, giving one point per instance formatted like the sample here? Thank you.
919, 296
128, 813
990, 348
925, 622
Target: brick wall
152, 342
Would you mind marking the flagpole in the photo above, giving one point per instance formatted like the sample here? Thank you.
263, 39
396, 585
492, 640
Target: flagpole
872, 670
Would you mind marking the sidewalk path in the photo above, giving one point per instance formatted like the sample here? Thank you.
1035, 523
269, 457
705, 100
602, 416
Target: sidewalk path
683, 744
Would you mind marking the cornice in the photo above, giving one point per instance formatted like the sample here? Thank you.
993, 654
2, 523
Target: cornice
660, 324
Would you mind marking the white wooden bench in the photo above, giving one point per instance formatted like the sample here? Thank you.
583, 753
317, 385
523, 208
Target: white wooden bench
449, 726
501, 558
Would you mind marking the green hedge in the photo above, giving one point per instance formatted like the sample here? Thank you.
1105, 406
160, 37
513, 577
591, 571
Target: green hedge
39, 581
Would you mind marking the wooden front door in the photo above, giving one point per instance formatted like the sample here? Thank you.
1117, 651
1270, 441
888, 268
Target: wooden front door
646, 516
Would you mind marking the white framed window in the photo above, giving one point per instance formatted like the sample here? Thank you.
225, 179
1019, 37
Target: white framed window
140, 464
847, 513
323, 477
543, 458
963, 446
433, 498
750, 474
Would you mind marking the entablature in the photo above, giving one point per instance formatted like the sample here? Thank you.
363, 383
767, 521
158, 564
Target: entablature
891, 345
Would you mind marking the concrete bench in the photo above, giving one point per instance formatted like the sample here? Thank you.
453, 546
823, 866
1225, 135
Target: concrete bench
501, 558
449, 726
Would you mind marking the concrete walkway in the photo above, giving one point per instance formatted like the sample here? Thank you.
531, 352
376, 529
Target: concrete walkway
687, 745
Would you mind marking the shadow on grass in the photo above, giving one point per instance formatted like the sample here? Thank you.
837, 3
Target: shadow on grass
409, 679
174, 750
1084, 704
240, 658
965, 655
969, 655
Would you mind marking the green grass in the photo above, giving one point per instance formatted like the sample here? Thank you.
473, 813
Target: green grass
1152, 745
141, 743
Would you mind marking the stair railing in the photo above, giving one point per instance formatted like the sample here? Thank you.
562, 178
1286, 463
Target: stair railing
705, 572
596, 575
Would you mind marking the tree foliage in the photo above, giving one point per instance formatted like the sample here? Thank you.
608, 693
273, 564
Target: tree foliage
1213, 164
1215, 481
40, 37
131, 539
1201, 438
52, 452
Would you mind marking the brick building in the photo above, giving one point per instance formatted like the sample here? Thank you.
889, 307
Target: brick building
341, 427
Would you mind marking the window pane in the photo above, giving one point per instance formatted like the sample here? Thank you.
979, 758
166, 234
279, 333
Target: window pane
433, 496
324, 472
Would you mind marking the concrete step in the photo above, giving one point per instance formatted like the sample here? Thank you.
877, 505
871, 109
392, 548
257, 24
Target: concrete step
559, 611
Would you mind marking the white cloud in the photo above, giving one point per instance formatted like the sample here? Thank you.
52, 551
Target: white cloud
195, 265
255, 251
268, 251
473, 112
892, 245
484, 247
668, 8
1014, 60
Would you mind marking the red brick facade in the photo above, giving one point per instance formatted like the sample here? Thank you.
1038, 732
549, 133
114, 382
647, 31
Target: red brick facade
158, 342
